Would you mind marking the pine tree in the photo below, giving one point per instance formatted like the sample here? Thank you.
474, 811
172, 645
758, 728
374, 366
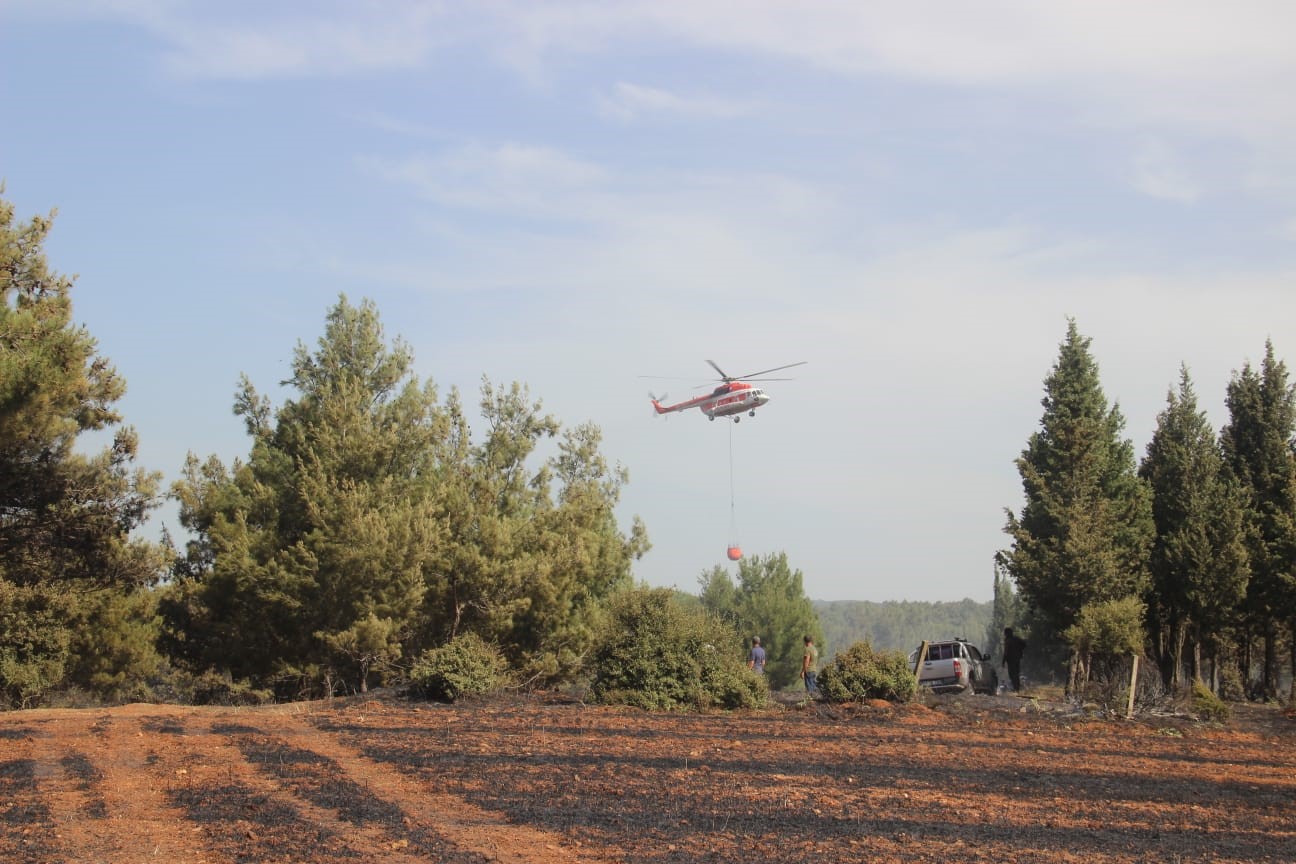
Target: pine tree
65, 517
367, 526
1258, 449
306, 565
1084, 533
769, 601
1199, 563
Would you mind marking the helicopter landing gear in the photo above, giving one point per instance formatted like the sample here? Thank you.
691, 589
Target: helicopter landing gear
736, 419
711, 417
751, 413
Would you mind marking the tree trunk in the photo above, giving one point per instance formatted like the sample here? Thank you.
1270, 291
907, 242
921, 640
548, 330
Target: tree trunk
1178, 636
1164, 652
1073, 664
1291, 693
1244, 661
458, 610
1270, 684
1077, 676
1197, 665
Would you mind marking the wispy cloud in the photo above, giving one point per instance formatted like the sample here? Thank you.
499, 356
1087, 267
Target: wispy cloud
249, 41
1201, 66
508, 179
384, 36
632, 102
1157, 63
1158, 172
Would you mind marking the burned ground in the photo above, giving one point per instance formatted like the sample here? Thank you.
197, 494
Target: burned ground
994, 779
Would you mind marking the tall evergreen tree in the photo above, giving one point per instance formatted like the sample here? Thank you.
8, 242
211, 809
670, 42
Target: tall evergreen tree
367, 525
769, 601
533, 549
1257, 445
1084, 533
1199, 563
307, 561
65, 517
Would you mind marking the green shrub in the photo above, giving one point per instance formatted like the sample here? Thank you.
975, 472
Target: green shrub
861, 673
34, 644
726, 683
1114, 627
215, 688
114, 646
1207, 705
465, 666
1232, 687
657, 653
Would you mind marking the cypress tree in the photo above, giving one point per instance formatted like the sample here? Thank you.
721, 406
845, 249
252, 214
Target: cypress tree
1084, 532
1199, 563
1257, 446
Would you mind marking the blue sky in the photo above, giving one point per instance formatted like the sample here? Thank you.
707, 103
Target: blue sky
912, 198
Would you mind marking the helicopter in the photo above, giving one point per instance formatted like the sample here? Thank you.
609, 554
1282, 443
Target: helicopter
734, 395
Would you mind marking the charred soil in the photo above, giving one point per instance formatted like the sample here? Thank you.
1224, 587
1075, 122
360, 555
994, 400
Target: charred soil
535, 780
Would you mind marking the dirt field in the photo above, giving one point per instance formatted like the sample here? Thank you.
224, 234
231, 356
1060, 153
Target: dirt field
534, 781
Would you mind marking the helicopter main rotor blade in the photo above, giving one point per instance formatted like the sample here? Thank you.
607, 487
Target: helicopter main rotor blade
751, 375
721, 371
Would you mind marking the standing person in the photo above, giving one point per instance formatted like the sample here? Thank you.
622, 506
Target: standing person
756, 657
810, 666
1012, 653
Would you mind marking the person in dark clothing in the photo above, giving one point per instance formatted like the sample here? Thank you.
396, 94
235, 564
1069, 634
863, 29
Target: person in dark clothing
1013, 646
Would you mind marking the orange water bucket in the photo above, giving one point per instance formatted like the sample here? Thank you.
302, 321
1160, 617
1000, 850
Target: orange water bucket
734, 553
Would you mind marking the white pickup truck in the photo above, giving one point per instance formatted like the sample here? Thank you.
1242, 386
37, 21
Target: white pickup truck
955, 665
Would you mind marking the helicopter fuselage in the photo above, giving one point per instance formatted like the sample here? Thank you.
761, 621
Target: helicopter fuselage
732, 397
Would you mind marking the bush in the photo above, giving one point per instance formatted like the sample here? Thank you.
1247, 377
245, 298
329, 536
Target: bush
34, 644
1207, 705
1114, 627
114, 646
656, 653
1231, 684
861, 673
467, 665
724, 683
215, 688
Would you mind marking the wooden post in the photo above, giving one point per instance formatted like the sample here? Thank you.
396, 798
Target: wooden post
922, 658
1129, 709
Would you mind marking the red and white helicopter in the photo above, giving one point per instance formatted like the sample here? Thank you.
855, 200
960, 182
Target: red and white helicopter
731, 397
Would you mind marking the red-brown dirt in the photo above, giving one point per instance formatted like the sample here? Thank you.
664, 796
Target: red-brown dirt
535, 781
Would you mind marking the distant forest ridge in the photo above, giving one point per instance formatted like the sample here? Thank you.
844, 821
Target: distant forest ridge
901, 625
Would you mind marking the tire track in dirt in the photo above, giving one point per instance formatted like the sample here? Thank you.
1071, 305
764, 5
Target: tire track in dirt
354, 820
25, 821
96, 808
469, 827
207, 786
261, 814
